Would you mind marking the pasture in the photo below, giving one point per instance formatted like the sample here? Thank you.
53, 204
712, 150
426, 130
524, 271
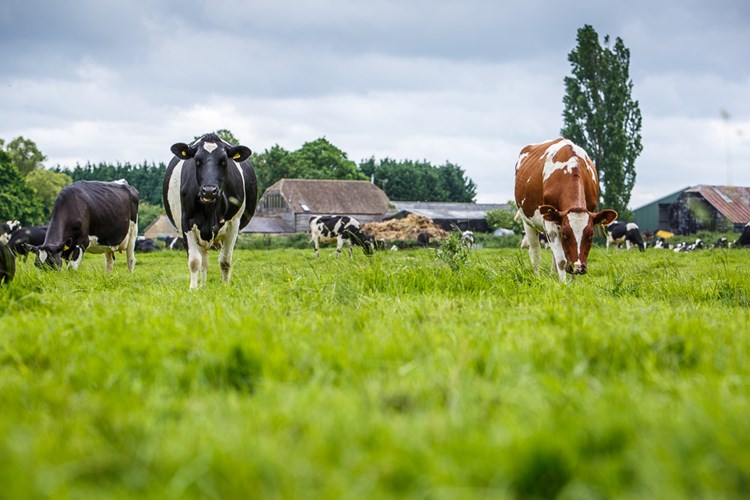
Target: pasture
387, 376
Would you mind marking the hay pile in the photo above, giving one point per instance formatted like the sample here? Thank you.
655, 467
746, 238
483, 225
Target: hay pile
404, 229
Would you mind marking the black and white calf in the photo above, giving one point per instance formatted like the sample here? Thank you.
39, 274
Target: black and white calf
744, 239
210, 192
146, 245
25, 238
339, 228
629, 233
91, 216
7, 229
467, 239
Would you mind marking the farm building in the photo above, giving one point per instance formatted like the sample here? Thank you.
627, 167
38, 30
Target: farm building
288, 205
697, 208
471, 216
161, 227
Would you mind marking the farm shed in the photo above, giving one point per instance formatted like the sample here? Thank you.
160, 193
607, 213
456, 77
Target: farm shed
472, 216
161, 227
697, 208
288, 205
710, 208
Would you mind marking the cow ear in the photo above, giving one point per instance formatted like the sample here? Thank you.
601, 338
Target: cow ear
182, 151
550, 213
605, 217
239, 153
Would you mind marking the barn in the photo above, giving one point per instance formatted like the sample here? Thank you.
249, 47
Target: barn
161, 227
288, 205
447, 215
697, 208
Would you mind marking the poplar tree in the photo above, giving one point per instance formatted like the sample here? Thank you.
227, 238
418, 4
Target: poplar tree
601, 116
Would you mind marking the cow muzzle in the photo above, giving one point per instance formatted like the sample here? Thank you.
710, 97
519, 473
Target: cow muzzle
209, 194
576, 268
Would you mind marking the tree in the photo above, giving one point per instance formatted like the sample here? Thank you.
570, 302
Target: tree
17, 200
272, 165
46, 185
25, 155
601, 116
319, 159
147, 213
505, 218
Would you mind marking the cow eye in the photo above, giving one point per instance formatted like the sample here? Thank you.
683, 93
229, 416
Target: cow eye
223, 162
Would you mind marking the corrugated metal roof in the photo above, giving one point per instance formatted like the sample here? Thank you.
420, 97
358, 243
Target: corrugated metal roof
733, 202
332, 196
268, 225
446, 210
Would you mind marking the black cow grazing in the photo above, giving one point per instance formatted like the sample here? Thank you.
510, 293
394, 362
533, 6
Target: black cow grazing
744, 239
91, 216
629, 233
210, 193
26, 237
7, 264
7, 229
339, 228
173, 243
423, 239
146, 245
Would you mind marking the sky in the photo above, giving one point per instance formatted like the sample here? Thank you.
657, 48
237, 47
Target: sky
466, 81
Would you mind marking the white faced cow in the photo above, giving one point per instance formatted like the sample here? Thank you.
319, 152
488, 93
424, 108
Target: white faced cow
210, 193
91, 216
557, 189
341, 229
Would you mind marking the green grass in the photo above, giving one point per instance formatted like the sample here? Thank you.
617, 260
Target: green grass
389, 376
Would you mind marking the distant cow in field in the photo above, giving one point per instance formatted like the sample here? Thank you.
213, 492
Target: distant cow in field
341, 229
660, 243
173, 243
722, 242
467, 239
210, 192
423, 239
556, 190
7, 229
629, 233
744, 239
25, 238
146, 245
7, 264
542, 241
91, 216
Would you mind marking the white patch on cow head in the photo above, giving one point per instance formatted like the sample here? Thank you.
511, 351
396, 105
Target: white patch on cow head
578, 222
42, 256
210, 146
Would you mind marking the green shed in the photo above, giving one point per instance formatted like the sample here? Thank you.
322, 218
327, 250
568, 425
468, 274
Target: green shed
655, 215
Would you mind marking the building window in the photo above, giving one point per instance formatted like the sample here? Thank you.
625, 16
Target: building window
273, 201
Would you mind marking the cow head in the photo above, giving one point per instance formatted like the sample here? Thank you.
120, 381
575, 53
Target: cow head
51, 256
211, 157
366, 241
575, 230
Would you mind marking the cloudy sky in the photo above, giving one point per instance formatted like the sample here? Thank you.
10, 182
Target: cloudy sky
466, 81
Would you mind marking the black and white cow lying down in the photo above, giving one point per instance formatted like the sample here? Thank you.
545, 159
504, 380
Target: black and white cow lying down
91, 216
7, 229
210, 192
341, 229
629, 233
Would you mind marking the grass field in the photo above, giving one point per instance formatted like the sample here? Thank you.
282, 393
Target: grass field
389, 376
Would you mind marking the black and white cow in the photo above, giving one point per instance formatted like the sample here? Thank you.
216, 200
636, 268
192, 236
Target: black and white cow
467, 239
210, 193
339, 228
629, 233
25, 237
722, 242
146, 245
660, 242
91, 216
543, 241
7, 229
744, 239
7, 264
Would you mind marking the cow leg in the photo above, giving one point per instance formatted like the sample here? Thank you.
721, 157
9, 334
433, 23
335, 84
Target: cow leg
195, 259
339, 245
628, 244
317, 246
227, 248
558, 253
109, 261
130, 250
76, 261
535, 249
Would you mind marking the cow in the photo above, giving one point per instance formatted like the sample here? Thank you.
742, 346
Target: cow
423, 239
7, 229
339, 228
660, 242
542, 241
91, 216
146, 245
210, 193
467, 239
557, 189
722, 242
174, 243
7, 264
744, 239
26, 237
619, 232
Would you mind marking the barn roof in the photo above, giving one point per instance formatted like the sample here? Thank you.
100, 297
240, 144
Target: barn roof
733, 202
160, 226
268, 225
446, 210
332, 196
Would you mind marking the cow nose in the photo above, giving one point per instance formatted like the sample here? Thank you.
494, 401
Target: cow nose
209, 194
579, 268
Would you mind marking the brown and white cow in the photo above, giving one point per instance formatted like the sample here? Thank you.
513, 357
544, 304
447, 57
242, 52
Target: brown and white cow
557, 189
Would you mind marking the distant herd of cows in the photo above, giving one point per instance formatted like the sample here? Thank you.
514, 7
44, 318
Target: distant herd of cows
208, 183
